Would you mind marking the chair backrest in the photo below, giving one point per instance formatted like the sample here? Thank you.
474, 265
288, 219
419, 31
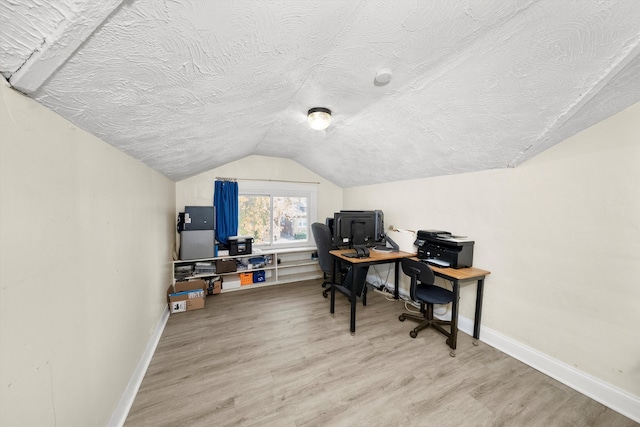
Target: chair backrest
324, 242
362, 278
419, 272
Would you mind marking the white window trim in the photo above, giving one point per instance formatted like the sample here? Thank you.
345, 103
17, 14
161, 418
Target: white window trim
285, 189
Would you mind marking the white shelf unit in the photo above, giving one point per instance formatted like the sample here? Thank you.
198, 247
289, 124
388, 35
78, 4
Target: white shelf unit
288, 265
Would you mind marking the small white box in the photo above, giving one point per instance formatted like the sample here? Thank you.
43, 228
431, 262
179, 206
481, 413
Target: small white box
404, 240
231, 282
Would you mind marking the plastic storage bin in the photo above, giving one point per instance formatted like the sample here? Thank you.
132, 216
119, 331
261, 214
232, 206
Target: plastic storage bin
240, 245
259, 276
246, 278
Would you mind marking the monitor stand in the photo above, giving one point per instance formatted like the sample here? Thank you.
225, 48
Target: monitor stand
394, 246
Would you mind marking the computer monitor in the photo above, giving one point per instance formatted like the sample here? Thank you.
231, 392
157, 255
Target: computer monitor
358, 228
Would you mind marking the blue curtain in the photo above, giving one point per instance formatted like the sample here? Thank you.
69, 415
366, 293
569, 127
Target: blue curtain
225, 202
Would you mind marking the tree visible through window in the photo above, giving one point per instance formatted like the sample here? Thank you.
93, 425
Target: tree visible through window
273, 220
255, 217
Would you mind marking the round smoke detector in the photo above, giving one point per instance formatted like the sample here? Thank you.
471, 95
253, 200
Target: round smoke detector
383, 76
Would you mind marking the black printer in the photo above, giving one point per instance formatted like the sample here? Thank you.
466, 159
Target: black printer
442, 249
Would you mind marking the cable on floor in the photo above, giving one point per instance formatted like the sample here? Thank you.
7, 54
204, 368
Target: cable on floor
406, 307
387, 295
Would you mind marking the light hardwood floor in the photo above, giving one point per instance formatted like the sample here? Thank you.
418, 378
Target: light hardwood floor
274, 356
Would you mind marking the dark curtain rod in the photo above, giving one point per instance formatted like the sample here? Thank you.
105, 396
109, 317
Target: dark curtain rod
218, 178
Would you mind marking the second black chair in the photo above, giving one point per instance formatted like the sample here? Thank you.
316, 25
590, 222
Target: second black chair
424, 292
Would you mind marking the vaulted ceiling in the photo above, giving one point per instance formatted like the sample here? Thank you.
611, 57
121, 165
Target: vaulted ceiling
186, 86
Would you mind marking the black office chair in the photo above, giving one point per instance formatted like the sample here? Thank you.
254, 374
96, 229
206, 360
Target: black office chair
423, 291
324, 243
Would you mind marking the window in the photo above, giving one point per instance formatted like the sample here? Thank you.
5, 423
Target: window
276, 213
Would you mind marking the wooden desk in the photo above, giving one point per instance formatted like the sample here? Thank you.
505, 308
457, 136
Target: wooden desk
457, 277
375, 257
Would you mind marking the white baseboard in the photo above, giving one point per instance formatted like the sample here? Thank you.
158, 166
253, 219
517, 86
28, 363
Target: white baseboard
598, 390
119, 415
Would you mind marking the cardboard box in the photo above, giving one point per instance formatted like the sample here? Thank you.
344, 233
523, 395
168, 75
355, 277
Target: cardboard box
225, 266
189, 285
215, 286
181, 299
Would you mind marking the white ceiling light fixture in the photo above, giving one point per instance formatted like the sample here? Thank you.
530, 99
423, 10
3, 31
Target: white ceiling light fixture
319, 118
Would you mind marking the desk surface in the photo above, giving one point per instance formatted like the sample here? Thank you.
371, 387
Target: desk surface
460, 273
374, 256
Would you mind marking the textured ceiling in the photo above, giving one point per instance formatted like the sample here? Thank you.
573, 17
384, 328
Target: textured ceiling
186, 86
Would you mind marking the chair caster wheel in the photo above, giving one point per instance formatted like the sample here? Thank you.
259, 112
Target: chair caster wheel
325, 295
401, 318
413, 334
452, 353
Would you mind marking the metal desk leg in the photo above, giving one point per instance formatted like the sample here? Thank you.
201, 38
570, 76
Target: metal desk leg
363, 293
396, 292
352, 298
333, 288
476, 321
453, 339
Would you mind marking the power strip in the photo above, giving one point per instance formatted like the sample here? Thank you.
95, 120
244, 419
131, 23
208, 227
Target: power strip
402, 298
439, 310
383, 292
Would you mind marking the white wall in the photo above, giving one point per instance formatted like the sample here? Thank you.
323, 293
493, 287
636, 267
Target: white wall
84, 263
198, 190
561, 236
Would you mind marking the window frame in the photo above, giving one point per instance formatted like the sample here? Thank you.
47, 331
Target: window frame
284, 189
